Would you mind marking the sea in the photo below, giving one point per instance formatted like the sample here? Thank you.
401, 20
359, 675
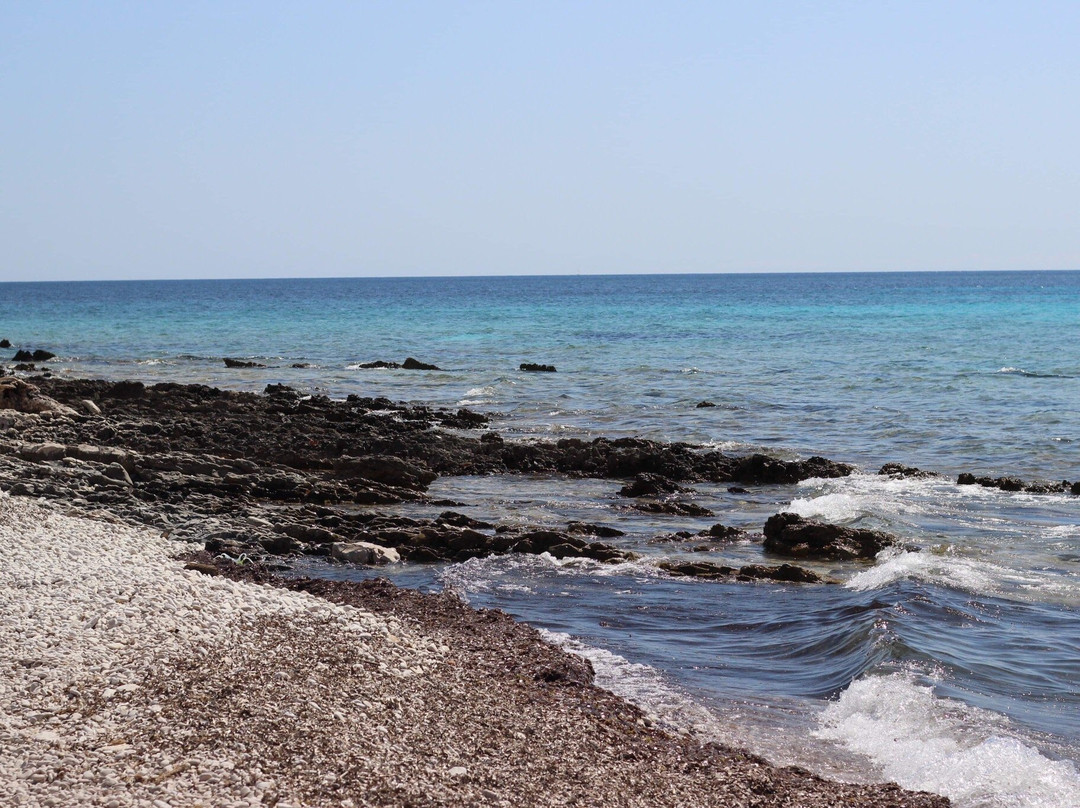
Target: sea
952, 666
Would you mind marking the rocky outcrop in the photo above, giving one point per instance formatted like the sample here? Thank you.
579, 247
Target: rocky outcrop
791, 535
762, 469
241, 363
413, 364
531, 367
786, 573
650, 485
898, 471
704, 404
16, 394
1016, 484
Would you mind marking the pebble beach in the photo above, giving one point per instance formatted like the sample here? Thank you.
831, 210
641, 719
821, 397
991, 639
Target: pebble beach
129, 680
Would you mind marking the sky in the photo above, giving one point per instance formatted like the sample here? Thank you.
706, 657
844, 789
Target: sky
264, 139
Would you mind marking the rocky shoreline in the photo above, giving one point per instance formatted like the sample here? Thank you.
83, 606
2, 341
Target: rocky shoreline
281, 474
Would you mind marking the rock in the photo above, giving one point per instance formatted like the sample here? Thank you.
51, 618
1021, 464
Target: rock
791, 535
90, 407
42, 356
26, 367
241, 363
530, 367
362, 552
378, 364
786, 573
696, 569
412, 364
1016, 484
42, 452
762, 469
725, 532
492, 437
128, 389
22, 356
299, 365
114, 471
703, 404
386, 469
461, 520
674, 508
5, 343
735, 489
899, 471
205, 569
650, 485
594, 530
16, 394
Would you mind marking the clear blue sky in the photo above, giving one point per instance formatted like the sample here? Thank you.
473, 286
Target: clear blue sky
223, 139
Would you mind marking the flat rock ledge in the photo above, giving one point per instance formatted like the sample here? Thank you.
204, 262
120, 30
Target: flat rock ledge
126, 680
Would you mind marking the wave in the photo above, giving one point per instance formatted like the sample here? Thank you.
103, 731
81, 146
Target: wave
920, 741
1011, 371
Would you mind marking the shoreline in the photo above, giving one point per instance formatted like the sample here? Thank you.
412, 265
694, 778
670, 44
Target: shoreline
147, 682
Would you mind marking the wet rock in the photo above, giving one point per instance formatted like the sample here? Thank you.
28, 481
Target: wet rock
461, 520
26, 367
762, 469
300, 365
492, 437
734, 489
785, 573
696, 569
704, 404
463, 419
364, 553
412, 364
899, 471
531, 367
128, 390
1014, 484
5, 343
673, 508
22, 356
650, 485
42, 356
594, 530
792, 535
379, 364
724, 532
241, 363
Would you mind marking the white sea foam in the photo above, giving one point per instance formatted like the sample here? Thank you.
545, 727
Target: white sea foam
479, 395
923, 742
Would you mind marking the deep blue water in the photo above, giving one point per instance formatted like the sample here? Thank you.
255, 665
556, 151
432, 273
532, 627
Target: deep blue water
966, 654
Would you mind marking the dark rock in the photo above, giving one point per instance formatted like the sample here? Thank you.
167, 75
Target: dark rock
762, 469
734, 489
491, 437
26, 367
531, 367
241, 363
719, 531
791, 535
379, 364
650, 485
1075, 488
4, 343
461, 520
42, 356
463, 419
1016, 484
674, 508
786, 573
594, 530
386, 469
281, 544
900, 471
281, 391
22, 356
128, 389
412, 364
299, 365
703, 404
696, 569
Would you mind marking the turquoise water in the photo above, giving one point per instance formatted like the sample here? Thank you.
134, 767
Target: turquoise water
966, 655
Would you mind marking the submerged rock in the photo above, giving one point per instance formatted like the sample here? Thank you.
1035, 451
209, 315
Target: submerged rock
791, 535
1016, 484
241, 363
673, 507
900, 472
413, 364
531, 367
703, 404
787, 573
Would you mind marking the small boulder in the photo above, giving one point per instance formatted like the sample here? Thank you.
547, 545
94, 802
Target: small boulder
647, 484
241, 363
5, 343
791, 535
362, 552
42, 356
673, 508
532, 367
413, 364
378, 364
22, 356
704, 404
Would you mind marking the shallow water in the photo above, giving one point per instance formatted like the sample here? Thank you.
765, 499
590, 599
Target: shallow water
953, 668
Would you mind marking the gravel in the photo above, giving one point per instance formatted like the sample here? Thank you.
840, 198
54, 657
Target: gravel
126, 679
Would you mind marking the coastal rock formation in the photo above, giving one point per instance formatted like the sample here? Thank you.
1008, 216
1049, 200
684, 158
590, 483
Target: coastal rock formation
786, 573
413, 364
16, 394
672, 507
1016, 484
791, 535
241, 363
647, 484
899, 471
531, 367
704, 404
